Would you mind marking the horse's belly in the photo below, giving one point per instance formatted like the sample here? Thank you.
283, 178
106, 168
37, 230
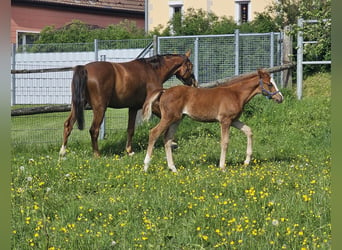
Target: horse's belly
125, 103
200, 115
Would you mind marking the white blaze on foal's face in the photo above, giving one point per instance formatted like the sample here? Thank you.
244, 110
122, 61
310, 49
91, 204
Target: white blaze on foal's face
277, 90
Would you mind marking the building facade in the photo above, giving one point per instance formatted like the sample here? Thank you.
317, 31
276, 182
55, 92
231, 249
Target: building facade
159, 12
29, 17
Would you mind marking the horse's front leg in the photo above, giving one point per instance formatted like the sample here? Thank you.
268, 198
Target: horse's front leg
248, 132
132, 114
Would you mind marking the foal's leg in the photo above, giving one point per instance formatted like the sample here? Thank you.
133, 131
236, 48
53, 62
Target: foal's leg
68, 126
224, 143
94, 130
132, 114
168, 139
153, 136
248, 132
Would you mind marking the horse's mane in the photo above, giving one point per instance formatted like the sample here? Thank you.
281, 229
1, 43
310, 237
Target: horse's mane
156, 61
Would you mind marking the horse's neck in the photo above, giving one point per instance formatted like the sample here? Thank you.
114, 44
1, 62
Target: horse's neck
169, 69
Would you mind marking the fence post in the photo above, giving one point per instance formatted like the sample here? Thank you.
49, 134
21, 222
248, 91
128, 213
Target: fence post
14, 51
300, 59
287, 57
96, 50
237, 54
103, 124
196, 59
155, 45
271, 50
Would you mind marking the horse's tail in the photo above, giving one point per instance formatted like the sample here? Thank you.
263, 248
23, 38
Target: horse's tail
78, 85
147, 107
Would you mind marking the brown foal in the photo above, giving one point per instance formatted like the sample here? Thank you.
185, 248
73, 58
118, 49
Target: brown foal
121, 85
223, 104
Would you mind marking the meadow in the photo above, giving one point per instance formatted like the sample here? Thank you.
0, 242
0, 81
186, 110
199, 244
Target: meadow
281, 201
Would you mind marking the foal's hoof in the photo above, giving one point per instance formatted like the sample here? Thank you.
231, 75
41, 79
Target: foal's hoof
174, 145
130, 153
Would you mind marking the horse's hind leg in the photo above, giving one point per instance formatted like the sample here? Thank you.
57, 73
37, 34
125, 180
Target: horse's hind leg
68, 126
153, 136
168, 139
248, 132
224, 144
95, 129
132, 114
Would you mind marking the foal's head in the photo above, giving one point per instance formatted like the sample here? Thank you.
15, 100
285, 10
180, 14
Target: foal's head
269, 87
185, 72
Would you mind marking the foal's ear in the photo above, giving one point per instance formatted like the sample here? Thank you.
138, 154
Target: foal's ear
188, 53
261, 73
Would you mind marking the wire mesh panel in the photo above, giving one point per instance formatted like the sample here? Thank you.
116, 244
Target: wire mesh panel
214, 57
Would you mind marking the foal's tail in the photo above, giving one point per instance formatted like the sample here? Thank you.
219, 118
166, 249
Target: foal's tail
78, 85
147, 107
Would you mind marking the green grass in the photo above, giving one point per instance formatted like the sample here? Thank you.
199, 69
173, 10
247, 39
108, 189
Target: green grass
281, 201
48, 128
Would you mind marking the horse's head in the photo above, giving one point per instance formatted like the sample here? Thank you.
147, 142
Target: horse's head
269, 87
185, 71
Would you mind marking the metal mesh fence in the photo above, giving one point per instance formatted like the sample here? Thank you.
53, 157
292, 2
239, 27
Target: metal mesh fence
214, 57
221, 56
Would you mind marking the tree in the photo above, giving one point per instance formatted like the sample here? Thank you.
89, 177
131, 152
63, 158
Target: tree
287, 12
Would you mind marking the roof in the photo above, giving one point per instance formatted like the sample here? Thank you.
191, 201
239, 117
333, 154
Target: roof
114, 5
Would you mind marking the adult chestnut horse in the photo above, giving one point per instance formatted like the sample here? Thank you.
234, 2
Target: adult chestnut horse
223, 104
120, 85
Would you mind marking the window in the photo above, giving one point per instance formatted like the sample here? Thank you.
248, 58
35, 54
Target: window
242, 11
175, 7
26, 38
175, 10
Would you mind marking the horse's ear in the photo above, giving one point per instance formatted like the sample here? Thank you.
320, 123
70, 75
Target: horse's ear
188, 53
261, 72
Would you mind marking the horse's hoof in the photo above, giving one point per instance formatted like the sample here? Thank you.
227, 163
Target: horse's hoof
130, 154
62, 151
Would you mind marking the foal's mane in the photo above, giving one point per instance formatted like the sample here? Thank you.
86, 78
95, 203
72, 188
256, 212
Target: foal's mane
157, 61
230, 80
239, 78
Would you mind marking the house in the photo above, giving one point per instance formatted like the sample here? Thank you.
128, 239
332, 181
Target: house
159, 12
29, 17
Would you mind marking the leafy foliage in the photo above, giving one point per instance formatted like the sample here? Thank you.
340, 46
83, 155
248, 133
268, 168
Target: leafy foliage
200, 22
80, 32
287, 12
